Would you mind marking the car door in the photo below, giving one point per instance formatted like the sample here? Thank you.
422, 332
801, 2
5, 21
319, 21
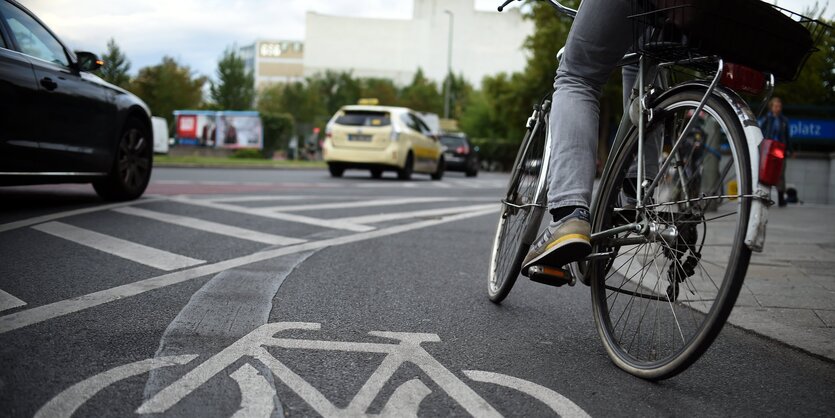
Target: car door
428, 154
75, 112
18, 90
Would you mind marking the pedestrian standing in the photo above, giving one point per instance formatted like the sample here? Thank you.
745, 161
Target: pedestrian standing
775, 125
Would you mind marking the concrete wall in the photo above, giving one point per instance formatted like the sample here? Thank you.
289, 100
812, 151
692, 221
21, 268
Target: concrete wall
813, 175
484, 43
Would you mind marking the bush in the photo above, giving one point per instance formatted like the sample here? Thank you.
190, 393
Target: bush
278, 127
496, 152
247, 153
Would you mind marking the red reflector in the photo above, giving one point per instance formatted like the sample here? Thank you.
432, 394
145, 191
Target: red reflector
743, 79
772, 155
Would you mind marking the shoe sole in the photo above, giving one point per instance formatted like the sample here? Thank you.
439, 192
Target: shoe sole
568, 251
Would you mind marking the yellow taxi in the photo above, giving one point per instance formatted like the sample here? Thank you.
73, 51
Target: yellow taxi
382, 138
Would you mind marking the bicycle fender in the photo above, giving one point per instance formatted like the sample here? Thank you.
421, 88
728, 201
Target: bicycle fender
758, 217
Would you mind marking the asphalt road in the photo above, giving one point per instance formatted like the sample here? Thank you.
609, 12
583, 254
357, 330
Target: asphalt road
268, 293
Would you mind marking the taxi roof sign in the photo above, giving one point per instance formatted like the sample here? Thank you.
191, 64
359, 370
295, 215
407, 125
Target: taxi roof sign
369, 102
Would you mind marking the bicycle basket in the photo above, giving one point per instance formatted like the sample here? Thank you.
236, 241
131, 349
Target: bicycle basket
748, 32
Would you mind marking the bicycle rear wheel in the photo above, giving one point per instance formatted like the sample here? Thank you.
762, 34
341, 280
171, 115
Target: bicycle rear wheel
521, 213
661, 296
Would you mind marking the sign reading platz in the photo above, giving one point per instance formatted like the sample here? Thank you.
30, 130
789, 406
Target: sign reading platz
816, 129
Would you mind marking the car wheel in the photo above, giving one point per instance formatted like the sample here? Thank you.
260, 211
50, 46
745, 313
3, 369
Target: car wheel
439, 172
405, 173
336, 170
131, 171
472, 170
376, 173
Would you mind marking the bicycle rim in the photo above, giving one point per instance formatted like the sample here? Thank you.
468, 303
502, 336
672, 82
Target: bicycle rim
519, 216
659, 304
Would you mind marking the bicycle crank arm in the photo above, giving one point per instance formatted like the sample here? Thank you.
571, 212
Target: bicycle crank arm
551, 276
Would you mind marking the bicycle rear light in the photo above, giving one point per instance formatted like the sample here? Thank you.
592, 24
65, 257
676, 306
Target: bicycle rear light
772, 155
743, 79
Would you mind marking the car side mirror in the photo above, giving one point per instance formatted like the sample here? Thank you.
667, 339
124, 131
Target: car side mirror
88, 61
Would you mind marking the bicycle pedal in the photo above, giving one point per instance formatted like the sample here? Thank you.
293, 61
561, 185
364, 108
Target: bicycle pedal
551, 276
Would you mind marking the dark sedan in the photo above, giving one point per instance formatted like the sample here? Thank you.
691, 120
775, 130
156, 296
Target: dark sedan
60, 123
460, 154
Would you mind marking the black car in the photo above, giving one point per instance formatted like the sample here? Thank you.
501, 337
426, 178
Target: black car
460, 154
59, 122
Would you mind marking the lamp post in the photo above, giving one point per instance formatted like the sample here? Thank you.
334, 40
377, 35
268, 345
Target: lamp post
448, 86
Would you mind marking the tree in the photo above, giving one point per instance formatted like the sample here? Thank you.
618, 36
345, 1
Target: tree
422, 95
116, 65
167, 87
235, 88
381, 89
460, 92
815, 85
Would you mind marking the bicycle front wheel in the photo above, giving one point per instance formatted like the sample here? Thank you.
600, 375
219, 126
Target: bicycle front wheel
521, 213
662, 295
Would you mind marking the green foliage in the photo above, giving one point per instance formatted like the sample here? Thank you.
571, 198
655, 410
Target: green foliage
235, 88
381, 89
116, 65
422, 95
168, 86
247, 154
460, 92
278, 128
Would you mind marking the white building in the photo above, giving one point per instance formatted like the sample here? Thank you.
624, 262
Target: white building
484, 43
274, 61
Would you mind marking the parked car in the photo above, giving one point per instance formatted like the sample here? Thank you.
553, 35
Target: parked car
460, 154
61, 123
160, 130
381, 138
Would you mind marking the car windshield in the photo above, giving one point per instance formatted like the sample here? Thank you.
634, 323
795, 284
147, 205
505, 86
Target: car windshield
453, 141
364, 118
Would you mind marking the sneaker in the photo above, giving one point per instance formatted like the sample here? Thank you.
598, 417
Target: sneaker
563, 242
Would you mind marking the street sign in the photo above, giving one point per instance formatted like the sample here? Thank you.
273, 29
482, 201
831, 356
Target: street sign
816, 129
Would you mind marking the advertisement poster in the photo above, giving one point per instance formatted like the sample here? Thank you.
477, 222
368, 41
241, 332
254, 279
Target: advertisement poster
211, 129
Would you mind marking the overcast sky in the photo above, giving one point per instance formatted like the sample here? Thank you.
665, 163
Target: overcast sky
197, 31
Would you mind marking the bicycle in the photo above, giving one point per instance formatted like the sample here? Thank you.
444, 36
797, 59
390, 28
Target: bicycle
670, 252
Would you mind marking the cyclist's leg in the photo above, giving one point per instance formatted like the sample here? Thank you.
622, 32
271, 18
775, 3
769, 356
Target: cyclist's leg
600, 36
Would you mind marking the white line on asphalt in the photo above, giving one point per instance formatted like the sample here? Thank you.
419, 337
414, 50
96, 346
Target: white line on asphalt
563, 406
68, 401
65, 307
128, 250
257, 394
324, 223
441, 185
360, 204
255, 198
213, 227
385, 217
53, 216
7, 301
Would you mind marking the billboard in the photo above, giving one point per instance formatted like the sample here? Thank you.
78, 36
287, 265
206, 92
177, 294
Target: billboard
219, 129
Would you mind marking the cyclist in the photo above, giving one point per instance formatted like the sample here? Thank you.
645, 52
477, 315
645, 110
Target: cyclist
599, 38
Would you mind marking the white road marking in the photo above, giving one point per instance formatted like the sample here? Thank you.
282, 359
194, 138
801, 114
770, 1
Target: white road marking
65, 307
254, 198
560, 404
441, 185
360, 204
324, 223
53, 216
213, 227
257, 394
408, 349
68, 401
128, 250
7, 301
385, 217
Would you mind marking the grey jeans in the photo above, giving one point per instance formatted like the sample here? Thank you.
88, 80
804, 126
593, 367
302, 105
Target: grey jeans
599, 38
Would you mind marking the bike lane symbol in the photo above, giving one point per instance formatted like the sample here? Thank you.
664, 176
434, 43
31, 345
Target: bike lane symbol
257, 394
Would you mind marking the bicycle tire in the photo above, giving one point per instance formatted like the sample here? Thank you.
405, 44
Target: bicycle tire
517, 226
714, 318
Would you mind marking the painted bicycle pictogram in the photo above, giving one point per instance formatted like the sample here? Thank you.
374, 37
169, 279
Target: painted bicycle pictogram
257, 394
